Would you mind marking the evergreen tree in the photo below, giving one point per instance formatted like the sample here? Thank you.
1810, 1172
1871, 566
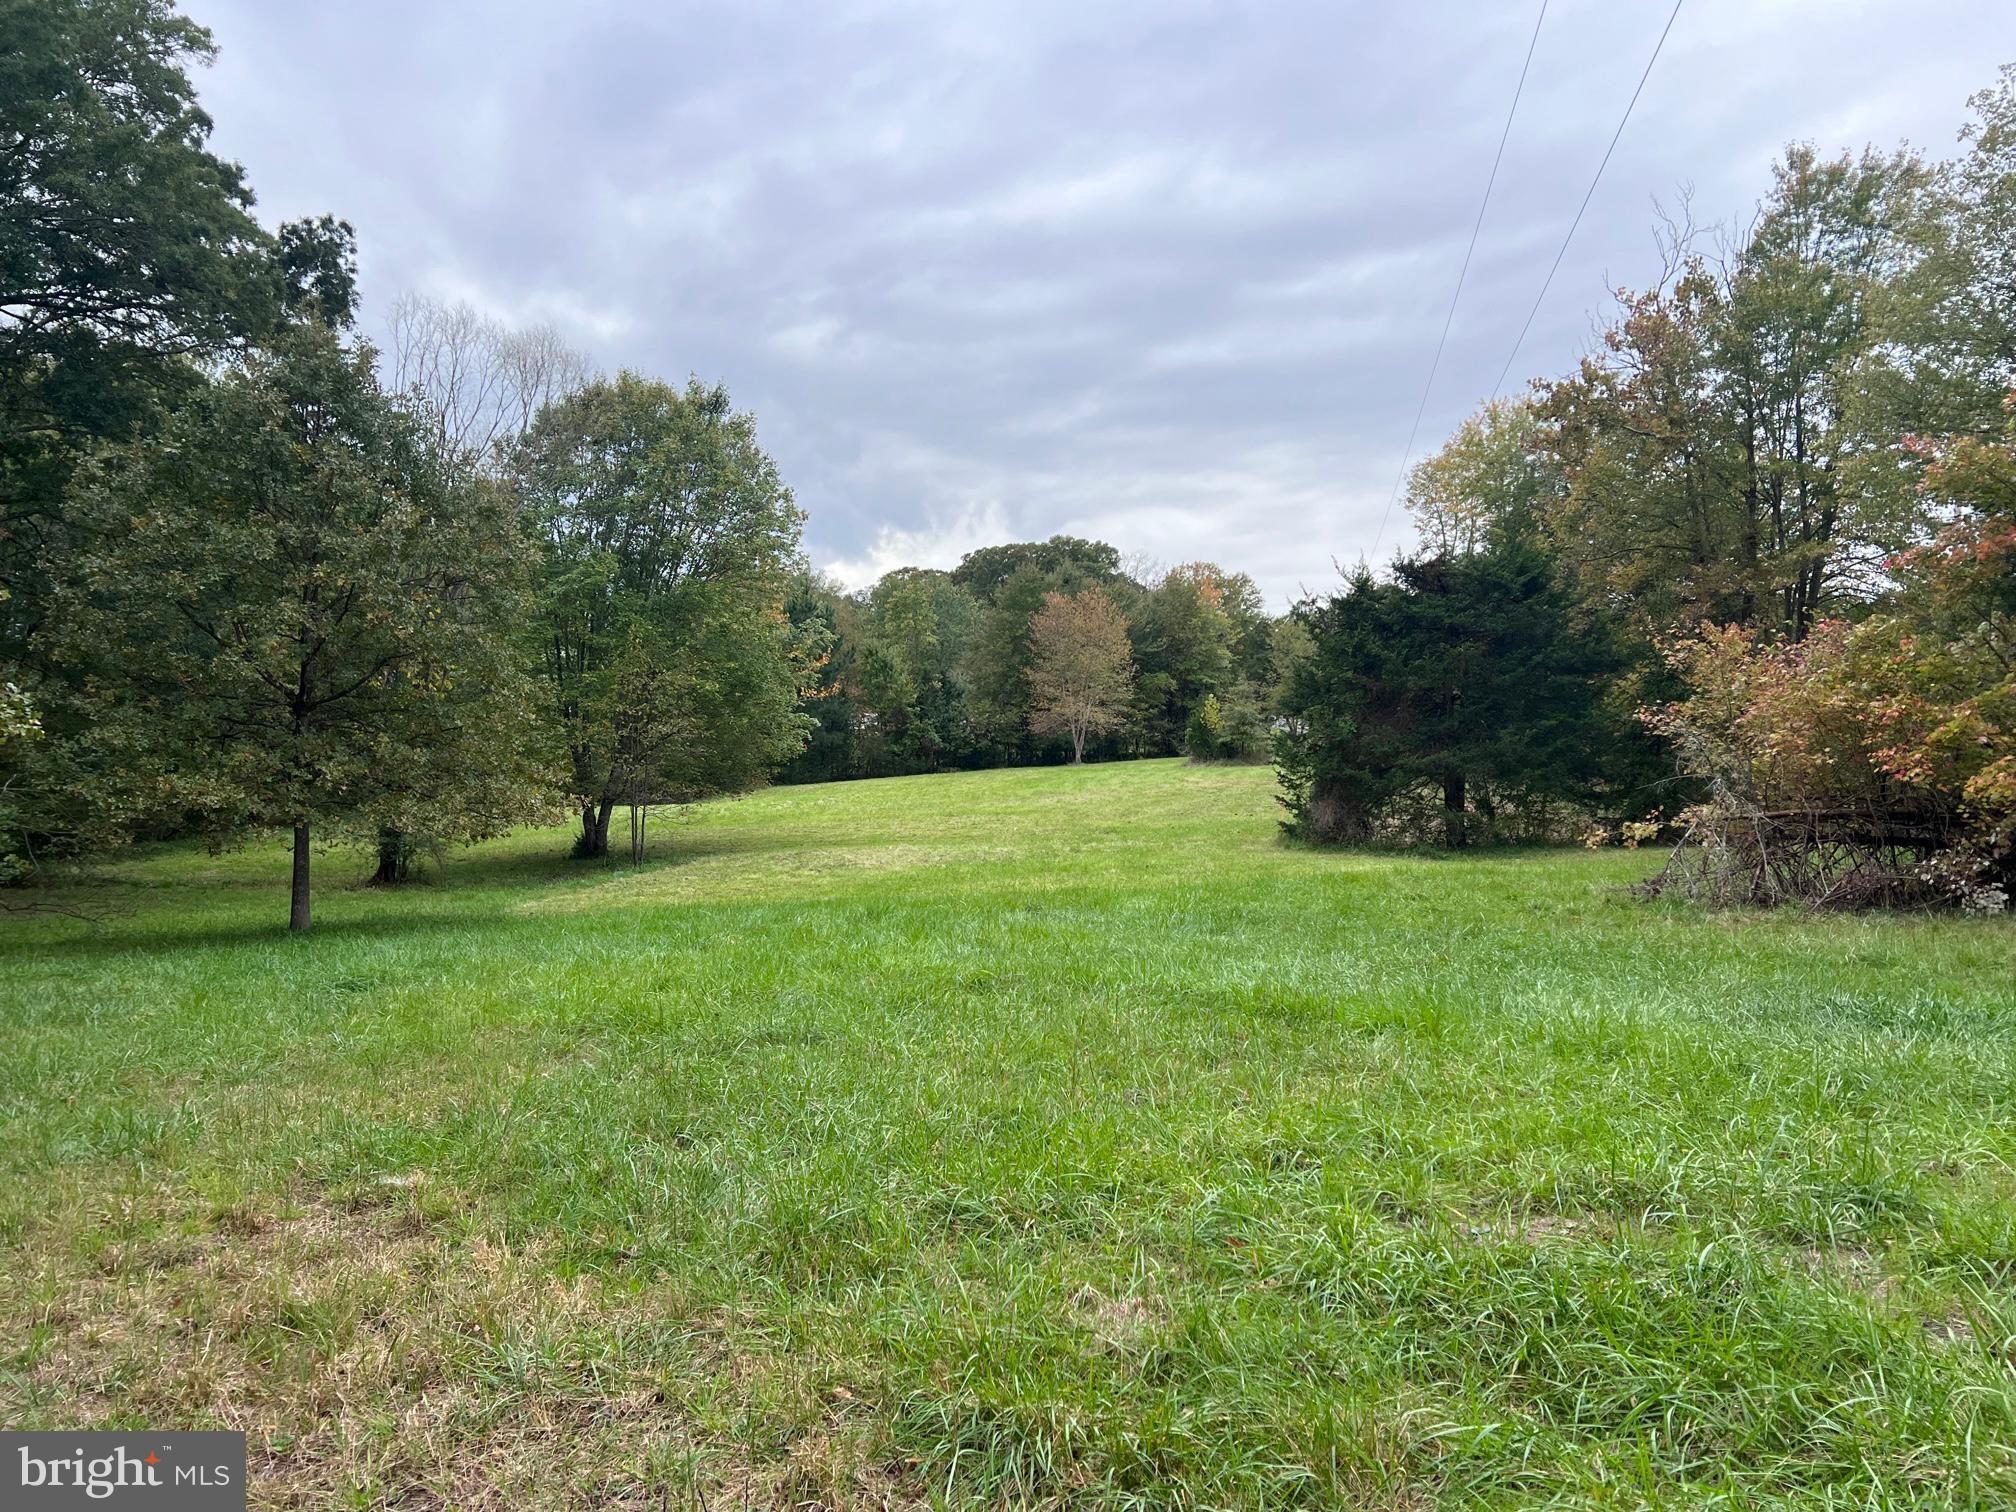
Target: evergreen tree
1470, 680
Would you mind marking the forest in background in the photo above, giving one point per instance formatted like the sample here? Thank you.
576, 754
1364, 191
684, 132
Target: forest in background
930, 670
1744, 575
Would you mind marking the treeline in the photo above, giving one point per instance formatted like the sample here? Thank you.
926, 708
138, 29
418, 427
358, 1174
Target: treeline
259, 576
930, 670
1749, 570
1748, 573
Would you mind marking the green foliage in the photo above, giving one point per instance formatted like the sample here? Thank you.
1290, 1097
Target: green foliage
817, 609
125, 248
128, 259
1066, 562
996, 664
1875, 762
1184, 643
1491, 479
1781, 467
289, 615
1205, 735
1469, 681
317, 265
913, 627
924, 673
19, 729
1232, 728
1722, 459
668, 540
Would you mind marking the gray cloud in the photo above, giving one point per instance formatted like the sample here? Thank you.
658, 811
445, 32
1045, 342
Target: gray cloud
1166, 274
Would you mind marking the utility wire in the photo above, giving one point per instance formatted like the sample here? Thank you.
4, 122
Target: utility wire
1414, 431
1547, 283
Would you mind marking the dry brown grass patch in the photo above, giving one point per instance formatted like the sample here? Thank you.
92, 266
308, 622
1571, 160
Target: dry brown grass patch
376, 1354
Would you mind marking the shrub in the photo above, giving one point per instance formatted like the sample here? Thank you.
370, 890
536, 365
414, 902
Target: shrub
1205, 736
1874, 763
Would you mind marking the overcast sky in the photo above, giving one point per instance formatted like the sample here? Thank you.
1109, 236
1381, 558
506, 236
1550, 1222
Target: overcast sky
1165, 274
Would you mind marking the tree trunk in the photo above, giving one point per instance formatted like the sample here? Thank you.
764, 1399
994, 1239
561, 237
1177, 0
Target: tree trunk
1077, 748
297, 911
395, 858
1335, 816
594, 841
1452, 810
1750, 527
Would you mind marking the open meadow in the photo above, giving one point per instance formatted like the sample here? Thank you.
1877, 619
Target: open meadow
1024, 1137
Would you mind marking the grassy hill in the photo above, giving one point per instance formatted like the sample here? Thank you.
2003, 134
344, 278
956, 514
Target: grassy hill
1029, 1136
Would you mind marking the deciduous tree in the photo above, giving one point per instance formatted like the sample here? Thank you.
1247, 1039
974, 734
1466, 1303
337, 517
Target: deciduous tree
1717, 466
290, 615
664, 526
482, 381
126, 247
1081, 670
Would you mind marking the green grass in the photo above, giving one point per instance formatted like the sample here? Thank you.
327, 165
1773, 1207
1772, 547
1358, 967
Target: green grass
1008, 1138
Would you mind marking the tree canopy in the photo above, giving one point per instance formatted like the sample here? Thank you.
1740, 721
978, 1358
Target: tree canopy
1460, 698
290, 615
667, 539
126, 247
1081, 670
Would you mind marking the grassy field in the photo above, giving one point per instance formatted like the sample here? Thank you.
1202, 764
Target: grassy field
1031, 1137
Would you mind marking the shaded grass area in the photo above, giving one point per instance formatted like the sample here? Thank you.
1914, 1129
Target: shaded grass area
1036, 1137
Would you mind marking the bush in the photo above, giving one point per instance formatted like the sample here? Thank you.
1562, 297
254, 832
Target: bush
1860, 767
1206, 732
1868, 765
1230, 729
1872, 764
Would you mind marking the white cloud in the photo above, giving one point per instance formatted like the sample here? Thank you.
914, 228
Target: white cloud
1168, 273
938, 543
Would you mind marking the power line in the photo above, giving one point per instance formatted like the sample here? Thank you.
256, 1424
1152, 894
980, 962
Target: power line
1427, 388
1548, 282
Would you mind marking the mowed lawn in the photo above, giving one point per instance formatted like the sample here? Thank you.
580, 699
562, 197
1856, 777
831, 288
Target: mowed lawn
1014, 1138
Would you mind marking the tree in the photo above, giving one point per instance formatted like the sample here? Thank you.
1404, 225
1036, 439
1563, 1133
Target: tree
476, 385
995, 667
482, 382
663, 526
1066, 561
913, 625
290, 616
1227, 729
1183, 644
129, 261
1871, 762
317, 260
126, 248
19, 728
1490, 478
1469, 683
821, 613
1081, 671
1718, 467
